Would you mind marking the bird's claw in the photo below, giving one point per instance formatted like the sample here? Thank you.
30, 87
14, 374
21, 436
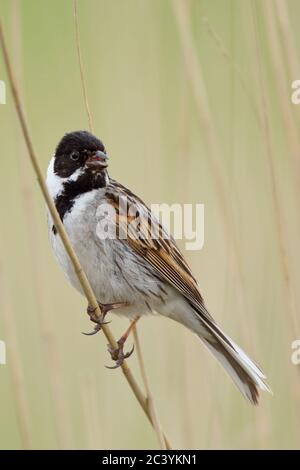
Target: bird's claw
98, 327
105, 308
117, 354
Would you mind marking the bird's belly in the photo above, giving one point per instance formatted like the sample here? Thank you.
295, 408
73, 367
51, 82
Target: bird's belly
115, 273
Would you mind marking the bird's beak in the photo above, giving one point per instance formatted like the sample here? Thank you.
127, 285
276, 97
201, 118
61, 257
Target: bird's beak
97, 161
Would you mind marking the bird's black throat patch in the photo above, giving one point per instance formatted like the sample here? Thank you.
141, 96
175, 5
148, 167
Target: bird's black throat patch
74, 189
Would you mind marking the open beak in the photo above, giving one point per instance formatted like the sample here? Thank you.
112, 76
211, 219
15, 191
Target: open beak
97, 161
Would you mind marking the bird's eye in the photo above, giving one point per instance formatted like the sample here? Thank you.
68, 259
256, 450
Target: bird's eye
75, 156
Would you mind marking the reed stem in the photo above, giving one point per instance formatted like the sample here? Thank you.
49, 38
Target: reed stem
92, 301
141, 361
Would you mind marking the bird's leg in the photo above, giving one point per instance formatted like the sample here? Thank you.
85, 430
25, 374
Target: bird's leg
117, 354
105, 308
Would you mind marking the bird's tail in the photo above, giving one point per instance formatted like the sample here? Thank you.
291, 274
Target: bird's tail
243, 371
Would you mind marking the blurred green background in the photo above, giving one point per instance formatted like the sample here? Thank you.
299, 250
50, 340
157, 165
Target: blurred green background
192, 99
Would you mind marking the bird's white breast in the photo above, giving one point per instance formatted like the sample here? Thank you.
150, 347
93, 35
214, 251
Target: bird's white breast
114, 271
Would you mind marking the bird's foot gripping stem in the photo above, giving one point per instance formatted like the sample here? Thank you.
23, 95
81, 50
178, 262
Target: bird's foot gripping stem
117, 354
105, 308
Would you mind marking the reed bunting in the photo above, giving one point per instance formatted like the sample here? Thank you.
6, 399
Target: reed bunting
131, 262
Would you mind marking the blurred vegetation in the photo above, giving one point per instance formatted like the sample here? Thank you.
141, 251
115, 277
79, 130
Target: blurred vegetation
193, 102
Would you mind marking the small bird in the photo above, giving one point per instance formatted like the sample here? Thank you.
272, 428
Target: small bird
137, 271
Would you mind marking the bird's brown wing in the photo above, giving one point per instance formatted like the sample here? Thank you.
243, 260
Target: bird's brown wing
160, 252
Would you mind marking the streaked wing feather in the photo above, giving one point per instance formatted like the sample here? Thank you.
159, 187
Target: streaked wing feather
162, 254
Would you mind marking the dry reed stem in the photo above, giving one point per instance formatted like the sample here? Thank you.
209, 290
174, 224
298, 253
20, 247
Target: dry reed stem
283, 90
198, 86
200, 95
226, 54
152, 410
279, 221
90, 403
289, 294
141, 362
92, 301
184, 167
184, 163
49, 341
84, 89
15, 364
286, 32
290, 54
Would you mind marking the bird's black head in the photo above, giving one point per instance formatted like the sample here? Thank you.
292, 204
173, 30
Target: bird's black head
79, 150
79, 166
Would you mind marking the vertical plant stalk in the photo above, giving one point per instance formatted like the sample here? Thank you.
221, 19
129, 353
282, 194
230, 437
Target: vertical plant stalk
279, 221
150, 402
229, 58
283, 88
92, 301
288, 40
83, 84
141, 361
293, 326
90, 403
15, 364
62, 421
195, 77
